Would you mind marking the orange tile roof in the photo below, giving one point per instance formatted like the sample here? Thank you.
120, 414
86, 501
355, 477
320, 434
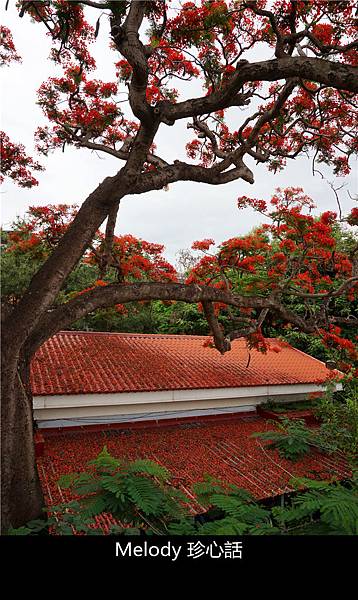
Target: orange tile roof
73, 362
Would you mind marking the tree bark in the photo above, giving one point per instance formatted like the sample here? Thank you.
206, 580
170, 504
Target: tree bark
21, 493
22, 498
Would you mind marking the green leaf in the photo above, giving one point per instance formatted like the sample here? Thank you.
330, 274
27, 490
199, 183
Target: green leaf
105, 461
145, 494
246, 513
94, 506
66, 481
148, 467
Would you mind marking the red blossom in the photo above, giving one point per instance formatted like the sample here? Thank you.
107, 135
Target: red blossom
203, 244
8, 52
16, 164
352, 218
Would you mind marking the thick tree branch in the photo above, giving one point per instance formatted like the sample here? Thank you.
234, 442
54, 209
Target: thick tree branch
238, 333
332, 74
221, 343
108, 241
205, 132
126, 39
271, 114
181, 171
102, 297
48, 280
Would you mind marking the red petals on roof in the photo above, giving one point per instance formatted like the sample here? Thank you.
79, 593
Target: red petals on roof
224, 450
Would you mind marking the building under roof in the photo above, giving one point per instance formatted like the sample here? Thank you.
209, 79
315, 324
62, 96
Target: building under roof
91, 378
173, 400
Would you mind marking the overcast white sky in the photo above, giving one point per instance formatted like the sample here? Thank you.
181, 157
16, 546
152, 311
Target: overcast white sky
175, 218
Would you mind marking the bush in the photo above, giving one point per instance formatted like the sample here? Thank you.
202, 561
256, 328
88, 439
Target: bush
292, 440
339, 415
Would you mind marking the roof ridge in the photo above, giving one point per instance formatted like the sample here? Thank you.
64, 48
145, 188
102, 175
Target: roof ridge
129, 334
150, 335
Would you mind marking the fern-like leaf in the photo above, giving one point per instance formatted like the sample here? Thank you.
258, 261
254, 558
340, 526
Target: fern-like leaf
226, 526
94, 506
104, 462
246, 513
183, 527
145, 494
339, 508
66, 481
148, 467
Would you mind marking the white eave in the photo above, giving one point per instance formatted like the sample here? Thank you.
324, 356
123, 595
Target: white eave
81, 406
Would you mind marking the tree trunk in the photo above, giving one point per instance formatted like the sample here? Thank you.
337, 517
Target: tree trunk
21, 494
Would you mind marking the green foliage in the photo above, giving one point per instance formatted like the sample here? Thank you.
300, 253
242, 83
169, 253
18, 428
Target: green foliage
32, 528
308, 343
180, 318
292, 440
339, 415
136, 493
204, 490
338, 431
283, 407
17, 270
139, 319
232, 511
330, 505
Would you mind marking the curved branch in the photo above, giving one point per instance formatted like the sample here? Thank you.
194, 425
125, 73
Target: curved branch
95, 4
238, 333
103, 297
332, 74
126, 39
153, 159
181, 171
269, 115
206, 132
345, 285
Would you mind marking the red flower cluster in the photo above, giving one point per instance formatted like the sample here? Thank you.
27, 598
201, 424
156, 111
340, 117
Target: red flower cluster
296, 253
352, 218
135, 259
89, 110
16, 164
203, 244
69, 30
8, 52
42, 229
332, 338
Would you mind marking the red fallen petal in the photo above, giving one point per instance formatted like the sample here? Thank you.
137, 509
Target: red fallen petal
224, 450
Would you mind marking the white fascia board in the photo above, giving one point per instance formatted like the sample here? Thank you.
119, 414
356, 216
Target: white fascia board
126, 398
128, 411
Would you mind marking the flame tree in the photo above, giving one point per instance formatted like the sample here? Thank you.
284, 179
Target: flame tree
299, 100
